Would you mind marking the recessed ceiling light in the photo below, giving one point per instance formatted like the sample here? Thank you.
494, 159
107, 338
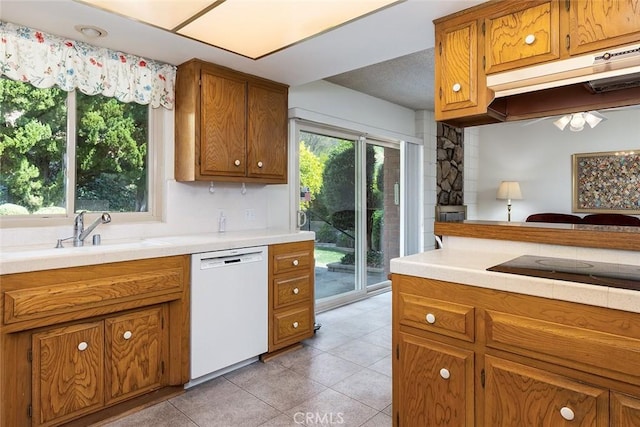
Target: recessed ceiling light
90, 31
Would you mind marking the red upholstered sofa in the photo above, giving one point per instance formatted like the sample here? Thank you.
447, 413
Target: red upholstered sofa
599, 219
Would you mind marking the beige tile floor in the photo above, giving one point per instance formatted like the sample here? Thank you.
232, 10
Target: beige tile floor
341, 377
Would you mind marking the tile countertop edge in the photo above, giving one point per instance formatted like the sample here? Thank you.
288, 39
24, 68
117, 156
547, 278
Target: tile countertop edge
469, 268
38, 259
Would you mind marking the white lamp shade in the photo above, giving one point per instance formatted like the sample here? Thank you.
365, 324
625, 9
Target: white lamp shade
509, 190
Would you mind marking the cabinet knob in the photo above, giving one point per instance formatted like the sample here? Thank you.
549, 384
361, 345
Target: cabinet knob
456, 87
259, 164
295, 325
567, 413
237, 163
127, 335
430, 318
83, 346
530, 39
296, 262
444, 373
296, 291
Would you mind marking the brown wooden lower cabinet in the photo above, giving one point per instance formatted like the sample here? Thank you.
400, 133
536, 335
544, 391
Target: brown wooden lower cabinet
523, 361
99, 354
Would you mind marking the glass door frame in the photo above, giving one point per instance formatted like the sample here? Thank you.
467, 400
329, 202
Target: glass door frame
361, 289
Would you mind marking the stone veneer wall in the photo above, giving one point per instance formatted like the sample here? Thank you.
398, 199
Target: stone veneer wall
450, 165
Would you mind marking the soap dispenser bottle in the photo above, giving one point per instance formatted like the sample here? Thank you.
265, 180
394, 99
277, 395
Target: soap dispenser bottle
222, 223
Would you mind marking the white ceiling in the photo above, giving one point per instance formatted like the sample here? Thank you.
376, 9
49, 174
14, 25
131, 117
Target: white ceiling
388, 50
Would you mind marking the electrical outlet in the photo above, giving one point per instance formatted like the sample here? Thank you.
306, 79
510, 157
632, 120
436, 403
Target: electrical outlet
249, 215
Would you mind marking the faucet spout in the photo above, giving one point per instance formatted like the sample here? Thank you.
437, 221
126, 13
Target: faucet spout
80, 233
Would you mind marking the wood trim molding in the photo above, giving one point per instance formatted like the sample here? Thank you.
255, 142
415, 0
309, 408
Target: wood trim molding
582, 235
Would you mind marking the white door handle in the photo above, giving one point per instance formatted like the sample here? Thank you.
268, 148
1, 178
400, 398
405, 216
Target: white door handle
296, 291
430, 318
530, 39
444, 373
295, 262
567, 413
127, 335
83, 346
259, 164
295, 325
237, 163
456, 87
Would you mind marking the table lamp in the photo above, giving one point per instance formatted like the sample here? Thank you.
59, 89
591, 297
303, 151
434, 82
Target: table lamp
509, 190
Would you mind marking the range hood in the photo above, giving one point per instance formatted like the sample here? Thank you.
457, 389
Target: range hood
599, 72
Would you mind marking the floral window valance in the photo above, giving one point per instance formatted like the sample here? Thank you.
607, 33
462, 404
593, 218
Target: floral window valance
45, 60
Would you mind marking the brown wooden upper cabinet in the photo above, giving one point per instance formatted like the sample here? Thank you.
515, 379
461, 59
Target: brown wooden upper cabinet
230, 126
521, 35
502, 35
599, 25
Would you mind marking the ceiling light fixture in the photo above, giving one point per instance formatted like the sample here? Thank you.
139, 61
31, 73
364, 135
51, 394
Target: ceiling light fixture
576, 121
90, 31
252, 28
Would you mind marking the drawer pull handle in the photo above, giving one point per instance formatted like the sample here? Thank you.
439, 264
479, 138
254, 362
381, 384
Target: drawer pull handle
127, 335
295, 325
296, 262
296, 291
83, 346
431, 318
259, 164
237, 163
567, 413
530, 39
444, 373
456, 87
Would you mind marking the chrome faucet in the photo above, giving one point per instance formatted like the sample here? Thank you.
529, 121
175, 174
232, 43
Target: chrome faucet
80, 233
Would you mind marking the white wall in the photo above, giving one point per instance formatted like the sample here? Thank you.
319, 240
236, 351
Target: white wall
190, 207
539, 157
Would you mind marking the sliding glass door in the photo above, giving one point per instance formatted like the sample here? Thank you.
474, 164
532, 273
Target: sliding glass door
349, 191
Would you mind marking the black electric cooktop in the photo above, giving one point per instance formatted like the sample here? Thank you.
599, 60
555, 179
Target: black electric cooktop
623, 276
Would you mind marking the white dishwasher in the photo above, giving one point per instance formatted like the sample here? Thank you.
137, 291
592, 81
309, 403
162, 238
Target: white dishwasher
229, 301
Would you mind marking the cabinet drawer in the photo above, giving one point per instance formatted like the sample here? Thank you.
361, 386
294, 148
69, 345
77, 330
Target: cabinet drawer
445, 318
33, 303
585, 346
518, 394
291, 290
523, 37
297, 260
292, 324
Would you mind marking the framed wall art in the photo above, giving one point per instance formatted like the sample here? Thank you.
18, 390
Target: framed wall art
606, 182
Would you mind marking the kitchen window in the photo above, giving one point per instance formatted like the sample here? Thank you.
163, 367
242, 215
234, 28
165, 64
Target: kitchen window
64, 152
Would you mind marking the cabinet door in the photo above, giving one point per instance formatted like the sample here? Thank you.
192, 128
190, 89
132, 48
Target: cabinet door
525, 36
457, 67
519, 395
134, 346
599, 25
223, 125
434, 384
68, 366
267, 133
625, 410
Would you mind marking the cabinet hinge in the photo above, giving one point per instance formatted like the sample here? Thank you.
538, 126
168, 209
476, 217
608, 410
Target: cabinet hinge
162, 367
484, 28
482, 378
568, 42
397, 351
484, 62
567, 4
30, 411
440, 48
29, 355
162, 322
397, 419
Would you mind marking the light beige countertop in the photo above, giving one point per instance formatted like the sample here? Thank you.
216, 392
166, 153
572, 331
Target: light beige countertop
467, 266
35, 258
